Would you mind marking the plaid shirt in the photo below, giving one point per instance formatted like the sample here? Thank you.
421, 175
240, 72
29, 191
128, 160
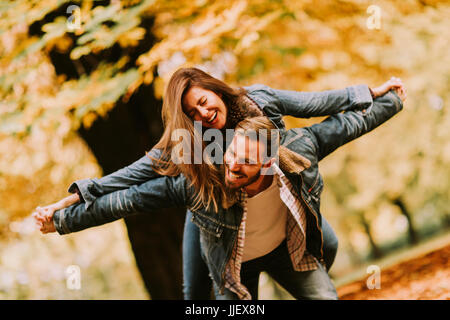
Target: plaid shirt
301, 259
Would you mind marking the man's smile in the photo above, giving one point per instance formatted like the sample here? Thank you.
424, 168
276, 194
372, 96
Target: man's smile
234, 175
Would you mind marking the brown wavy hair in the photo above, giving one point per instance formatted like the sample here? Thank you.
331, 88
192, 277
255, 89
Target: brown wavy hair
207, 178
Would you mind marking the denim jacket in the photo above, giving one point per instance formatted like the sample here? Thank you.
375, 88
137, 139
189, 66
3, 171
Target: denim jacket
218, 230
274, 104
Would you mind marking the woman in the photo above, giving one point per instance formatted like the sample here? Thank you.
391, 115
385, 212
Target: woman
193, 95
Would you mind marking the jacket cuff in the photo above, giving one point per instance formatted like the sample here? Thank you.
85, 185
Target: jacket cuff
59, 222
81, 187
360, 96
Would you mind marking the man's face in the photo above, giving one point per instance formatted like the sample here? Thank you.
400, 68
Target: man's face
243, 162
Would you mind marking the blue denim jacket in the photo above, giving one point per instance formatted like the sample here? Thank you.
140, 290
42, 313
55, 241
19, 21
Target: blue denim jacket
218, 230
274, 104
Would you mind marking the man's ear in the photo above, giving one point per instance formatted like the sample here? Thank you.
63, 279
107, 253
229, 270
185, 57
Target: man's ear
269, 163
266, 168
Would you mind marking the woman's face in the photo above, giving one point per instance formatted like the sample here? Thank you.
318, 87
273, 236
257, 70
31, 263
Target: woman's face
205, 106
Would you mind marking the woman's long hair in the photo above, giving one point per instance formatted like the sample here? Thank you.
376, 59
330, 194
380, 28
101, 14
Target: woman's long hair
206, 178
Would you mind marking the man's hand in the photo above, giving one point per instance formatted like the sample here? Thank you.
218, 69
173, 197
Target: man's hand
395, 84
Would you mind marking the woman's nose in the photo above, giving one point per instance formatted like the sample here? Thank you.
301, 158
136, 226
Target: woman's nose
203, 112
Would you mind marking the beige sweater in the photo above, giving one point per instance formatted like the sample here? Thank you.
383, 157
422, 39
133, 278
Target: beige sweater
266, 222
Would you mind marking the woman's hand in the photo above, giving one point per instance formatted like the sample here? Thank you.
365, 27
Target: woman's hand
401, 92
395, 84
44, 218
44, 215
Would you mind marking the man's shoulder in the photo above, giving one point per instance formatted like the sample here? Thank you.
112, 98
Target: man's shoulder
299, 136
301, 141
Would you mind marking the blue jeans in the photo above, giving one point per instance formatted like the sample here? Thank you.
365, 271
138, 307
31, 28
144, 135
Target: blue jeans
197, 284
196, 281
305, 285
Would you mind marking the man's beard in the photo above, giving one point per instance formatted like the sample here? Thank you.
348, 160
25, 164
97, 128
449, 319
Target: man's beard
230, 186
232, 193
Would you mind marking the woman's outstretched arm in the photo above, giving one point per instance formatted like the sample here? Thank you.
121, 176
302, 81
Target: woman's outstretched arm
300, 104
342, 128
87, 190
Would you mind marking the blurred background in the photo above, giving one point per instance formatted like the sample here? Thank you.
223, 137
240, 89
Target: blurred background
81, 84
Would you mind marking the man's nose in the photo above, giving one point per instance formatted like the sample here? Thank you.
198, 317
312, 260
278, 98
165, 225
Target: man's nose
233, 165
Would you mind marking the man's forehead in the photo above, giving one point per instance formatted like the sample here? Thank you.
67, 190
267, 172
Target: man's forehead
245, 146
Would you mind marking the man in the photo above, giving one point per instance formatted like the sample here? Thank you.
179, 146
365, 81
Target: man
237, 241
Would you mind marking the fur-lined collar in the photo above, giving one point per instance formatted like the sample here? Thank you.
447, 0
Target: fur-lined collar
243, 108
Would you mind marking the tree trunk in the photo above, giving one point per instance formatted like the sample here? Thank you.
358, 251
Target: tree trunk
413, 237
376, 251
127, 131
156, 238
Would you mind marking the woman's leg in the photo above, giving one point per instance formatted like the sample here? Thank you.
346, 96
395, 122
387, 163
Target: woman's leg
196, 280
330, 243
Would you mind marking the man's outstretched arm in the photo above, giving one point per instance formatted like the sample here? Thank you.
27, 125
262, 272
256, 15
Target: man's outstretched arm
136, 173
342, 128
162, 192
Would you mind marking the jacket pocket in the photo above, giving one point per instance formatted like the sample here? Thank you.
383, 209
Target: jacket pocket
208, 225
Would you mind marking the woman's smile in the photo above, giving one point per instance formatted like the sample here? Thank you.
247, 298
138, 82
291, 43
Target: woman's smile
206, 106
214, 117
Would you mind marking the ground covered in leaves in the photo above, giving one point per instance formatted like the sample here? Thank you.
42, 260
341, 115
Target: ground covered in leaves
426, 277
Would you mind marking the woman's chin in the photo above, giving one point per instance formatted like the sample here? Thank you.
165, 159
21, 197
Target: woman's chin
220, 124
